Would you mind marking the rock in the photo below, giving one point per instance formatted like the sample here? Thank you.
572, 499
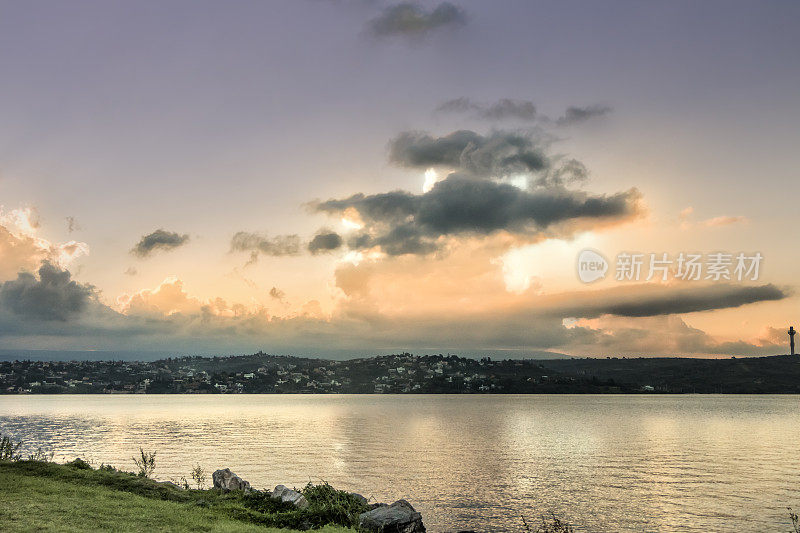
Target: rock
80, 464
400, 517
287, 495
227, 480
171, 484
360, 498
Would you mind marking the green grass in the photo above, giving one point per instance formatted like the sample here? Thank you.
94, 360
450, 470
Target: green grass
41, 496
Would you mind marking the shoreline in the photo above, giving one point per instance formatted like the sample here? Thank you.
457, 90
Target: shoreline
404, 374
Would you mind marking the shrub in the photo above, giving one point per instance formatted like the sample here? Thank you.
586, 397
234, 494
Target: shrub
41, 455
326, 505
549, 524
80, 464
146, 463
199, 476
9, 450
331, 506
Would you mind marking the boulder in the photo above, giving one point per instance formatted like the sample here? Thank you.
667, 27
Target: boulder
287, 495
400, 517
227, 480
360, 498
80, 464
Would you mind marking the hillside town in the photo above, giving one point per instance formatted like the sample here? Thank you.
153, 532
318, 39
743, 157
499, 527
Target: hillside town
400, 374
262, 373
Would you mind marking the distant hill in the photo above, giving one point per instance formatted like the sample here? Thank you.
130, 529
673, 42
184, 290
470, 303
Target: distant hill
341, 355
405, 373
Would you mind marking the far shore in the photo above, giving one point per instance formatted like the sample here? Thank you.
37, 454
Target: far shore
405, 373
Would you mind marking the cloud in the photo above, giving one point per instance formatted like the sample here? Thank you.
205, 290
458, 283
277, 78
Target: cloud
654, 300
577, 115
498, 154
24, 220
51, 296
255, 243
522, 110
400, 222
72, 224
686, 223
664, 336
20, 252
22, 249
166, 299
412, 19
131, 271
325, 241
159, 240
503, 109
386, 305
276, 293
724, 221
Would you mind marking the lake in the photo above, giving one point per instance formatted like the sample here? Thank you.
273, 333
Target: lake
604, 463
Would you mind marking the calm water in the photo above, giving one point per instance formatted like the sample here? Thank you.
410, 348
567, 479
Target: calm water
605, 463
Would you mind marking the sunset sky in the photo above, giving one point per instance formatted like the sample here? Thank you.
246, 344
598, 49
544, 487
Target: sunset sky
322, 177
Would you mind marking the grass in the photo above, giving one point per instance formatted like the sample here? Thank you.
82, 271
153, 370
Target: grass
43, 496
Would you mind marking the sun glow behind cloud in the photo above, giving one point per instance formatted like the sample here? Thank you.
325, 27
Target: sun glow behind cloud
430, 180
352, 219
23, 224
542, 265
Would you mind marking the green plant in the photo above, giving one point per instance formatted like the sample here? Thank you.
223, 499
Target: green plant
199, 476
553, 524
41, 455
795, 520
80, 464
9, 450
549, 524
331, 506
146, 463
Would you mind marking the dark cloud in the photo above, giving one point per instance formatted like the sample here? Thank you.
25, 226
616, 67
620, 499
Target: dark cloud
72, 224
655, 300
501, 110
159, 240
261, 244
325, 241
276, 293
53, 296
412, 19
576, 115
495, 155
401, 222
131, 271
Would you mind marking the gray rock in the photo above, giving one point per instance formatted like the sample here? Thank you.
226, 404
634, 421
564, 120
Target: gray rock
400, 517
227, 480
360, 498
287, 495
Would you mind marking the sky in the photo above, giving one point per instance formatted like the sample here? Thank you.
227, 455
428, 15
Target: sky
336, 178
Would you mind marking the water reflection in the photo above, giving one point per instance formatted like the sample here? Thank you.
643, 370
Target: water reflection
606, 463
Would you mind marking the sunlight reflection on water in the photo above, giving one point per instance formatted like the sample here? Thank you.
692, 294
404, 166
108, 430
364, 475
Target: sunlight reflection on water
605, 463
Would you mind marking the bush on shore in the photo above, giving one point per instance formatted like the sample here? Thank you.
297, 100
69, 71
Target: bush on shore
327, 506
